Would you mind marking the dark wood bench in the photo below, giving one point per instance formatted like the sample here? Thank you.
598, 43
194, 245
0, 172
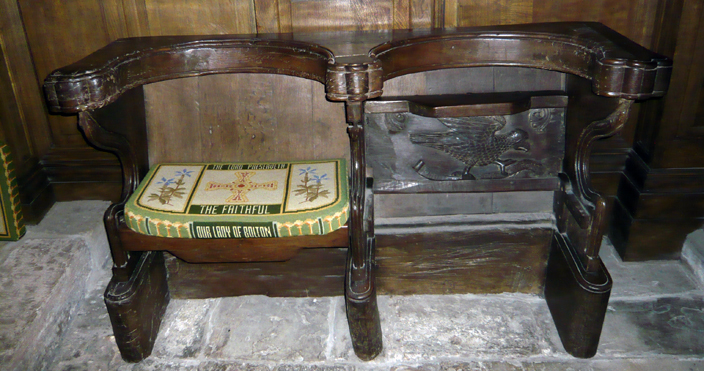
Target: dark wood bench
603, 74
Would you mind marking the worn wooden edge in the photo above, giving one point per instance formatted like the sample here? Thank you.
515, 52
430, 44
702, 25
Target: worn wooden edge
137, 306
465, 105
617, 66
223, 250
577, 299
462, 223
461, 186
103, 76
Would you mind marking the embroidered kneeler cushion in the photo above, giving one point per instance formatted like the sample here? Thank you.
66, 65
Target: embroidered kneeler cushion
240, 200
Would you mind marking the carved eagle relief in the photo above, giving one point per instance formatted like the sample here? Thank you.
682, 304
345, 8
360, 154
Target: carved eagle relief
475, 141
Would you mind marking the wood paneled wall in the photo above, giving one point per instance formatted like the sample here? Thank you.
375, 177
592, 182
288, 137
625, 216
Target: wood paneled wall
23, 119
41, 35
661, 193
243, 118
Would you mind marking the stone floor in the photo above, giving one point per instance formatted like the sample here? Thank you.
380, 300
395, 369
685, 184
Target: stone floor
52, 318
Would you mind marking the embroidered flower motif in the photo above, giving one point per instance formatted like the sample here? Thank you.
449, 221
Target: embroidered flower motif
166, 182
184, 172
320, 178
311, 190
307, 170
167, 191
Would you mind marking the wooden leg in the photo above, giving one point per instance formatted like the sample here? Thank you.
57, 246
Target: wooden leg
577, 299
360, 285
362, 310
136, 306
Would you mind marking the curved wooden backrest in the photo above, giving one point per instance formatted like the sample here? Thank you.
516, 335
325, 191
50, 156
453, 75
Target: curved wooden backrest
103, 76
616, 66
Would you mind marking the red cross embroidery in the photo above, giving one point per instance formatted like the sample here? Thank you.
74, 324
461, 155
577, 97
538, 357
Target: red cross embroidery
241, 186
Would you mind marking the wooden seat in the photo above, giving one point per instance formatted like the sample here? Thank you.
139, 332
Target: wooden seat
603, 74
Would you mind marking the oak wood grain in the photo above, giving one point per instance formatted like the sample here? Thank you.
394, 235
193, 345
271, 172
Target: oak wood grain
250, 126
492, 261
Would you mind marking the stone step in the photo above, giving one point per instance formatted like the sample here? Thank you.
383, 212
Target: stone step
44, 281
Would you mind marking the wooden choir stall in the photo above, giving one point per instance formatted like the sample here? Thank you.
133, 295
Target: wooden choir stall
480, 184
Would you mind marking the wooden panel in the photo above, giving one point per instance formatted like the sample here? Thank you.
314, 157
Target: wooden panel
27, 125
329, 137
402, 14
689, 58
52, 30
313, 272
204, 17
488, 261
114, 17
450, 16
83, 174
267, 16
315, 15
23, 122
179, 110
494, 12
633, 18
246, 117
273, 16
174, 110
422, 13
409, 14
474, 80
649, 239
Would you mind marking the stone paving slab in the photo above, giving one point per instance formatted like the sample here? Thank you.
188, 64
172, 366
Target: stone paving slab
423, 327
188, 321
625, 340
666, 364
666, 325
76, 218
42, 285
44, 279
647, 279
89, 344
273, 329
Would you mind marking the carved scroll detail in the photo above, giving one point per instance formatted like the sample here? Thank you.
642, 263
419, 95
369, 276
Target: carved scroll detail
596, 130
541, 118
114, 143
119, 145
585, 194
